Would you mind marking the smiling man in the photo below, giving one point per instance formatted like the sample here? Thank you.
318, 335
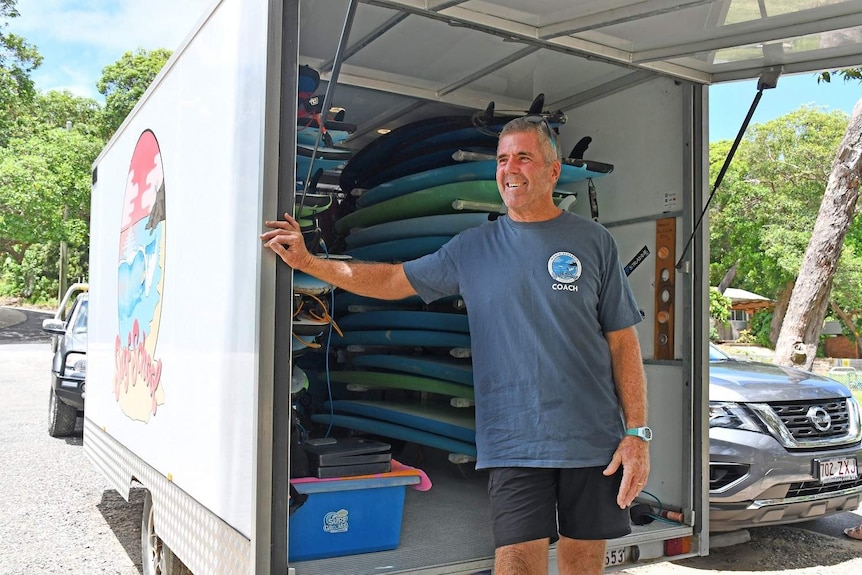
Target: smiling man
560, 390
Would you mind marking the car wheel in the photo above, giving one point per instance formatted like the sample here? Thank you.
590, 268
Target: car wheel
156, 557
61, 417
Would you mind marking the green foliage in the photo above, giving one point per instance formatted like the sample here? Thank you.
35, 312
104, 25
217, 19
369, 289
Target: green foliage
746, 337
125, 81
719, 305
17, 60
765, 210
761, 323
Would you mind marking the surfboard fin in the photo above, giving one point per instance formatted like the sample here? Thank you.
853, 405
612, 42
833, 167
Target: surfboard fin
489, 111
537, 105
580, 148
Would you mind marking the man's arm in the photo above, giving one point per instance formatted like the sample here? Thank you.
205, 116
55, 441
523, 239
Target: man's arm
377, 280
630, 381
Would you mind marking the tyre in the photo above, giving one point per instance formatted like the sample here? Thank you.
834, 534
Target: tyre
61, 417
156, 557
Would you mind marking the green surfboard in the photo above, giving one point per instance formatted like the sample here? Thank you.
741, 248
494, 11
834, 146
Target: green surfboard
373, 379
431, 201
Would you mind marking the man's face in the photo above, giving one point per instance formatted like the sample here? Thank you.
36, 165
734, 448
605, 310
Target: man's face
525, 178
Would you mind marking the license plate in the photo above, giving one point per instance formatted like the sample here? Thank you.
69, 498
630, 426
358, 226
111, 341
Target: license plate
836, 469
618, 556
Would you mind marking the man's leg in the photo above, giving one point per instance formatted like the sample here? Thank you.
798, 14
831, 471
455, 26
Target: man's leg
580, 557
529, 558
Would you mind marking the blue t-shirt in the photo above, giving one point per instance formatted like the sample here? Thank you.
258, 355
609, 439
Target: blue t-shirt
539, 297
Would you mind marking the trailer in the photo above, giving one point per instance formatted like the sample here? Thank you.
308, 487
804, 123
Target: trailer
191, 337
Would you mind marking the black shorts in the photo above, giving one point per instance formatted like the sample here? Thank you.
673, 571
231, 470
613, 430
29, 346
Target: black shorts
526, 502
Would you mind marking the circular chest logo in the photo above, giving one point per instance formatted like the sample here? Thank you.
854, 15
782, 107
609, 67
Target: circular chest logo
564, 267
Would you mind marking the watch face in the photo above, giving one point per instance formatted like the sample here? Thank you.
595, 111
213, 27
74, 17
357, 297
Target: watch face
646, 433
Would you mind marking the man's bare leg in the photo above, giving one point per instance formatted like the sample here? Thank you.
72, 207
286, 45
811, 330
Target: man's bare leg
528, 558
580, 557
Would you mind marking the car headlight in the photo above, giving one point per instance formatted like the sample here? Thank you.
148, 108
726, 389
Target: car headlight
76, 366
731, 416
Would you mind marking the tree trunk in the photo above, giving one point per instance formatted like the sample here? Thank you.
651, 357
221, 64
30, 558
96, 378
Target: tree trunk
797, 342
779, 312
728, 277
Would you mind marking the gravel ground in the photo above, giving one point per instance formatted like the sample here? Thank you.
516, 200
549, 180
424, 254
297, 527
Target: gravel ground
58, 516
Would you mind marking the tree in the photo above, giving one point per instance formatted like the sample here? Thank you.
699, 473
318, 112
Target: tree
45, 190
125, 81
797, 342
17, 60
781, 167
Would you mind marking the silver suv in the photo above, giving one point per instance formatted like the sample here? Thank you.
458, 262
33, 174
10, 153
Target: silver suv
783, 445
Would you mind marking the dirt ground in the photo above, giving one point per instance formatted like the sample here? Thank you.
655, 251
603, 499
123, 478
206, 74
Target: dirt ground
776, 550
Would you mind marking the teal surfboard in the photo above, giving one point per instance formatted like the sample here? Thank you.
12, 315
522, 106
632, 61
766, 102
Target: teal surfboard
395, 431
467, 172
383, 380
399, 250
433, 417
407, 319
448, 369
402, 337
430, 201
439, 225
346, 302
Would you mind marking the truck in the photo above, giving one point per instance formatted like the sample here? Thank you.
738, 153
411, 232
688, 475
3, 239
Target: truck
191, 340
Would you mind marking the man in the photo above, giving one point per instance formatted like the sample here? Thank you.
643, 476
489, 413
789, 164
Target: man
556, 359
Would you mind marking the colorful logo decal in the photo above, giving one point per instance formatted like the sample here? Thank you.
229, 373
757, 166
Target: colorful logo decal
141, 279
564, 267
335, 521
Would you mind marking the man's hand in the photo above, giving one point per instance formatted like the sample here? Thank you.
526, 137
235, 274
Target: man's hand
633, 454
285, 239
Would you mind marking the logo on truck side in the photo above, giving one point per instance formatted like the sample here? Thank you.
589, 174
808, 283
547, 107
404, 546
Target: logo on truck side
141, 280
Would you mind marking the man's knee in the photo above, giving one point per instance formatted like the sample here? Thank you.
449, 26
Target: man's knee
529, 558
581, 557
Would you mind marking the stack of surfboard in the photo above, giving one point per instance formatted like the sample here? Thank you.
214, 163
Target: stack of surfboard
412, 196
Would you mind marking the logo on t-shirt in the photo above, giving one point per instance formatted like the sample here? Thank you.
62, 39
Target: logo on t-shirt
565, 268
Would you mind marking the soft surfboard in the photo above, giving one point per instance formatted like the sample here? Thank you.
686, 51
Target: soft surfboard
430, 201
468, 172
439, 225
448, 369
348, 302
407, 319
399, 250
395, 431
406, 382
403, 338
433, 417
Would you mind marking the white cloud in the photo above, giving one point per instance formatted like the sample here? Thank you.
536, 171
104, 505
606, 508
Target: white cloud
112, 24
77, 38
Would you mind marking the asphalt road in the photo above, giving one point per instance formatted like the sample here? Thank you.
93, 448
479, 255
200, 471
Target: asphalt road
58, 516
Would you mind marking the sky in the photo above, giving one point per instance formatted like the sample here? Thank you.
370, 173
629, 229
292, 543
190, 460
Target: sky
77, 38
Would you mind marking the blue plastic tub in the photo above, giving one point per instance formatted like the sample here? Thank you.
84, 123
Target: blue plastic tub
347, 516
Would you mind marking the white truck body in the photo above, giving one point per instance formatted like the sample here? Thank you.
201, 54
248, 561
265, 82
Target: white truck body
190, 402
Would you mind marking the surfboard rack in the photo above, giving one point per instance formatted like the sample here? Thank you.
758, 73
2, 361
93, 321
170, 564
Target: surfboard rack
462, 205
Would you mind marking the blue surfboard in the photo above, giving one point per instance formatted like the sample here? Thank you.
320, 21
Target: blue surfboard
448, 369
346, 302
395, 431
407, 319
403, 337
438, 225
434, 417
399, 250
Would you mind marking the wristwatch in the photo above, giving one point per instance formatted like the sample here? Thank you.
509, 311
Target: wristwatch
644, 433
